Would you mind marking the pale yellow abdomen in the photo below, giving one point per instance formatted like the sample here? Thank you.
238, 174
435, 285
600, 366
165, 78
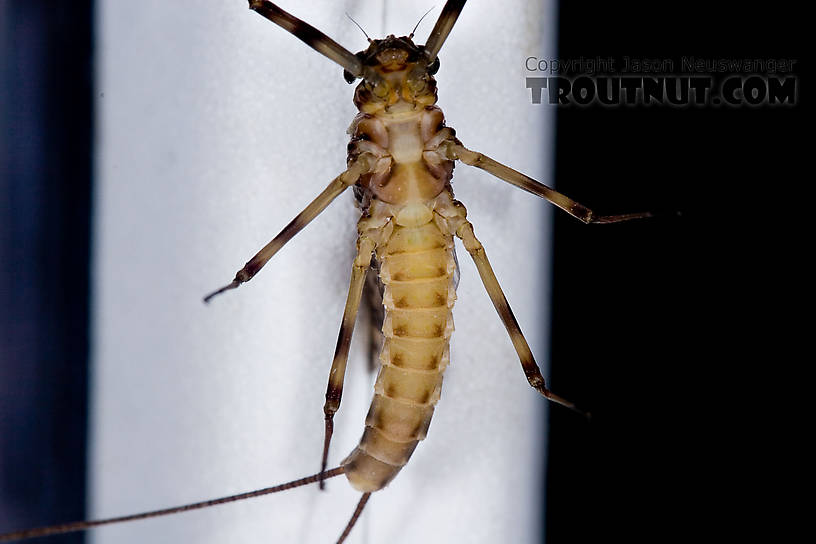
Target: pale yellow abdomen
417, 267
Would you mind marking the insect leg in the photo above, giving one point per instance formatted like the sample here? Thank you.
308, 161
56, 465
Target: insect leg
464, 230
339, 184
309, 35
443, 27
455, 150
334, 391
375, 311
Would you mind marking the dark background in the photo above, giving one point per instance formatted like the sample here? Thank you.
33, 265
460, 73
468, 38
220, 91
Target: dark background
45, 186
670, 330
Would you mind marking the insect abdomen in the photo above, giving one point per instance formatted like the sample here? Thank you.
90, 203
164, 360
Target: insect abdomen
417, 266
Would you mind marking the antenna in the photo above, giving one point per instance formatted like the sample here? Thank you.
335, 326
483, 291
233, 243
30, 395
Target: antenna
411, 35
358, 26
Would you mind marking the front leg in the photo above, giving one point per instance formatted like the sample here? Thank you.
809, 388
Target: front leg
309, 35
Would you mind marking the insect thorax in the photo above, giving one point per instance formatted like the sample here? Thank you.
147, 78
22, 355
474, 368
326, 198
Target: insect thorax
399, 125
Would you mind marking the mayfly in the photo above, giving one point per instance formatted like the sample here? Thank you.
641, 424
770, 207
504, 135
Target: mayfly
396, 74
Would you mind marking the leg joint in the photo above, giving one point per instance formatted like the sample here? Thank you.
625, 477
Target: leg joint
330, 408
332, 404
535, 379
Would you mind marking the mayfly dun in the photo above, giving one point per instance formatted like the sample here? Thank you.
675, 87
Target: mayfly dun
180, 384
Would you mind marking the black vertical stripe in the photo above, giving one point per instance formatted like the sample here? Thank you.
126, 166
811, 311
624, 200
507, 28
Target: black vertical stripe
661, 326
45, 187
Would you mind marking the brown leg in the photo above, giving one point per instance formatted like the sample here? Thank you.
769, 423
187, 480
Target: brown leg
309, 35
375, 313
334, 391
337, 186
443, 27
455, 150
464, 231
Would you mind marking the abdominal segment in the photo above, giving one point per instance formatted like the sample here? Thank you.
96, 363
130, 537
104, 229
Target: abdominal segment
417, 269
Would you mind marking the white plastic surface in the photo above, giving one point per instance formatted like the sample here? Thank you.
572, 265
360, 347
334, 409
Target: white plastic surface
216, 127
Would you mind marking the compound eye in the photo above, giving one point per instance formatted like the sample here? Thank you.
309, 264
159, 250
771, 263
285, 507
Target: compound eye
434, 66
348, 76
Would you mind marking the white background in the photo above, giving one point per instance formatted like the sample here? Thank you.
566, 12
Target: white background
216, 128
